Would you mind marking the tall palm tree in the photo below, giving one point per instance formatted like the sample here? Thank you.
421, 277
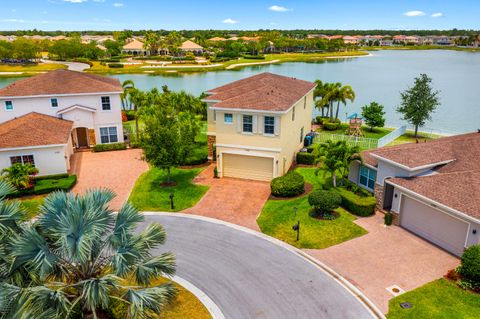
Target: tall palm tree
343, 94
332, 95
128, 86
318, 95
82, 259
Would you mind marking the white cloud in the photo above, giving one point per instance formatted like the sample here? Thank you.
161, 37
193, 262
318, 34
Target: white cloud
14, 20
99, 1
414, 13
118, 5
437, 15
230, 21
75, 1
279, 9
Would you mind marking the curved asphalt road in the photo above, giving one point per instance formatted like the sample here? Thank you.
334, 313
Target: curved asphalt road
250, 277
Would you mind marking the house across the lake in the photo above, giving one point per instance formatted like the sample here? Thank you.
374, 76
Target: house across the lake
432, 188
43, 119
258, 125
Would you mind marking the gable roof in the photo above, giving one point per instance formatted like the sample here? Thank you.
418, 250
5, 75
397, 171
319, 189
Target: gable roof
134, 45
61, 82
77, 106
34, 129
190, 45
265, 92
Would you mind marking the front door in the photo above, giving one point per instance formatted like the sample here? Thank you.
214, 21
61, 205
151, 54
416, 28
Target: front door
82, 138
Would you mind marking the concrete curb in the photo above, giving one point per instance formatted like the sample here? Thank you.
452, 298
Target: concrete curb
211, 306
354, 291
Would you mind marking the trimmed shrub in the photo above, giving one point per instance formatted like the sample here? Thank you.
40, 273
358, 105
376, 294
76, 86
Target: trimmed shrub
289, 185
388, 219
356, 204
321, 119
115, 65
55, 176
305, 158
46, 186
470, 264
109, 147
254, 57
310, 148
329, 126
324, 201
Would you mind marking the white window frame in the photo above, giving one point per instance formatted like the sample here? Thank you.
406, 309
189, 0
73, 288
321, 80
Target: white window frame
225, 118
271, 125
11, 104
108, 134
51, 102
369, 170
109, 103
22, 161
243, 124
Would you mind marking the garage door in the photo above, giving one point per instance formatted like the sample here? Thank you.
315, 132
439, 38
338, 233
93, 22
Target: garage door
248, 167
441, 229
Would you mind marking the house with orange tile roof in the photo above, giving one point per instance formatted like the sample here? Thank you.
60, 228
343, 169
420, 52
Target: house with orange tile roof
135, 47
431, 188
257, 125
36, 112
190, 46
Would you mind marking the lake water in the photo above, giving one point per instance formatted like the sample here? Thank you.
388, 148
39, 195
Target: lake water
379, 77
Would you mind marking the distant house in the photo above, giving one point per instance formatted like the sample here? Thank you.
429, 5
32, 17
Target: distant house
190, 46
350, 40
58, 112
135, 47
258, 125
217, 39
431, 188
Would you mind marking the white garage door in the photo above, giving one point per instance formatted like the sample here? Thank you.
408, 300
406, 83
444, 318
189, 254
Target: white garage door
441, 229
248, 167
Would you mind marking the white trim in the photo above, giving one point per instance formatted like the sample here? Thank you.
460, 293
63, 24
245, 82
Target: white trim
74, 107
435, 208
30, 147
410, 169
247, 153
53, 95
107, 127
256, 148
431, 201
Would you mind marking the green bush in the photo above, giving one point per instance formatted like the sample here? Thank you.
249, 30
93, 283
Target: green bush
388, 218
45, 186
329, 126
324, 201
109, 147
470, 264
254, 57
305, 158
198, 155
310, 148
356, 204
55, 176
289, 185
115, 65
130, 115
321, 119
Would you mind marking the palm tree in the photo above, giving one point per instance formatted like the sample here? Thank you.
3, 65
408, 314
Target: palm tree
318, 95
332, 95
344, 93
82, 259
336, 157
128, 86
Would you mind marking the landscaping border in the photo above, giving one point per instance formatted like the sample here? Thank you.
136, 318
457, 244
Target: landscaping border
354, 291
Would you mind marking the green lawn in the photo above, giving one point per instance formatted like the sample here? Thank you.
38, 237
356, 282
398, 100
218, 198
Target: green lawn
278, 217
148, 194
440, 299
376, 133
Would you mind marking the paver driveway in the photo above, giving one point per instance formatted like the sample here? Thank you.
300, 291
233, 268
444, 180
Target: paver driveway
233, 200
117, 170
384, 257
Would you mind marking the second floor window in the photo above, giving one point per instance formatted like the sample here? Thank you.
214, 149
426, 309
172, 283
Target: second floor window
269, 125
248, 124
367, 177
9, 105
106, 103
54, 102
228, 118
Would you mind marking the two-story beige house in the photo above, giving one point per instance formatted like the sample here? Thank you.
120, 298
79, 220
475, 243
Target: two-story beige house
257, 125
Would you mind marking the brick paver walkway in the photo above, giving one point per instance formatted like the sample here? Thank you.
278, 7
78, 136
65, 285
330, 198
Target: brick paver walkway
384, 257
233, 200
117, 170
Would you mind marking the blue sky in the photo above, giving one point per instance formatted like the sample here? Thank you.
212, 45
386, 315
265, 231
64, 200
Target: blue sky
238, 14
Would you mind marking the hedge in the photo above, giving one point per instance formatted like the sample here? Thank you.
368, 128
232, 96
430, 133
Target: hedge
55, 176
254, 57
199, 155
289, 185
46, 186
331, 126
109, 147
470, 264
305, 158
357, 205
115, 65
324, 201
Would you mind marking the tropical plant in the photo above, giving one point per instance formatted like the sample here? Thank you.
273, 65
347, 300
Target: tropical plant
318, 95
373, 115
20, 175
343, 94
79, 259
128, 87
336, 157
418, 102
324, 201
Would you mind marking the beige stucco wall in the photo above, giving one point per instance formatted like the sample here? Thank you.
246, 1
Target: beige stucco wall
282, 147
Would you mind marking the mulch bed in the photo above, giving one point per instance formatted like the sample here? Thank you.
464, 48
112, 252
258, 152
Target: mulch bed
307, 189
335, 214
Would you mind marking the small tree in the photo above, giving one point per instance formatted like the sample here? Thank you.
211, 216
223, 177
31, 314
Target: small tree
373, 115
470, 265
20, 175
324, 201
418, 102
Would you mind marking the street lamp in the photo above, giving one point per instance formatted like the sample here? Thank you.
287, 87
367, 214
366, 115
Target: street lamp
171, 201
